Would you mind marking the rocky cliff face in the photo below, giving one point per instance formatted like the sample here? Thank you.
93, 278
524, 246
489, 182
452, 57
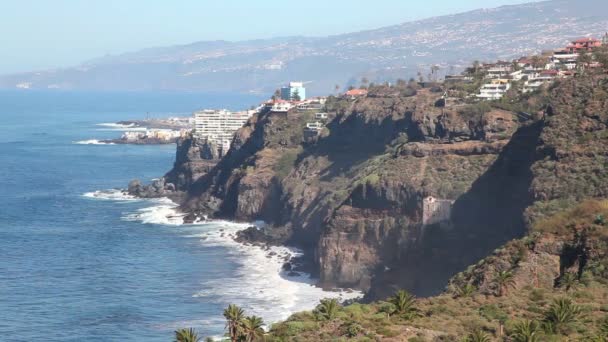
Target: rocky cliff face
352, 197
193, 159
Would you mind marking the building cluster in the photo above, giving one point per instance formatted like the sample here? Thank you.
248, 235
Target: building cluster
534, 72
166, 135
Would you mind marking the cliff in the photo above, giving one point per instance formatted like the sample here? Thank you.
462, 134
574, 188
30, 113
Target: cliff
352, 197
548, 186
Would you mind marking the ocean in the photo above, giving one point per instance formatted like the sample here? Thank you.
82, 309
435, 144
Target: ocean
81, 261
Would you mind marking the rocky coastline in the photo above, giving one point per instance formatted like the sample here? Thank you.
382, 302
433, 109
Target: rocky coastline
143, 141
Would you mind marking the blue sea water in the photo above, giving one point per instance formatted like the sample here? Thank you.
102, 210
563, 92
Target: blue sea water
76, 267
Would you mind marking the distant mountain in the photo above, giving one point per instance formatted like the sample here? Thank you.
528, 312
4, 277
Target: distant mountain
383, 54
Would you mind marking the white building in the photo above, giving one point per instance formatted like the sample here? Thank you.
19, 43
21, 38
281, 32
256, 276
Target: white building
541, 79
218, 126
494, 90
500, 71
321, 116
314, 126
281, 106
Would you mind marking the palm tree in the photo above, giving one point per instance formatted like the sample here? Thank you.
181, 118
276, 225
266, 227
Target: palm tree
404, 303
234, 321
504, 280
186, 335
568, 281
466, 290
328, 309
526, 331
252, 328
478, 336
562, 312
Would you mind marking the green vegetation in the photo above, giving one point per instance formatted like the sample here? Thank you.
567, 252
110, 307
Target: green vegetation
186, 335
504, 280
286, 163
404, 303
327, 309
234, 321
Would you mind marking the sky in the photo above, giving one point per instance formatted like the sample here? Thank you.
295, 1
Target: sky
43, 34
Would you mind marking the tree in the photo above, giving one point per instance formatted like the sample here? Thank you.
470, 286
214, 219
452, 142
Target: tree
583, 61
526, 331
296, 95
252, 328
466, 291
404, 303
600, 54
364, 81
186, 335
234, 321
503, 280
477, 336
328, 309
277, 94
568, 281
562, 313
337, 88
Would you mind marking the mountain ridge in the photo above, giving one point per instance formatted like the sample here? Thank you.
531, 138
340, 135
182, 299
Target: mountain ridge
383, 54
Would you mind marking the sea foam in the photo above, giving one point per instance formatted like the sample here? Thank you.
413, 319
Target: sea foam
92, 142
260, 285
119, 127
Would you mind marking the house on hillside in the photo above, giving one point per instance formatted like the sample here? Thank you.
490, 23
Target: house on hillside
499, 71
281, 106
583, 45
321, 116
355, 93
494, 90
544, 77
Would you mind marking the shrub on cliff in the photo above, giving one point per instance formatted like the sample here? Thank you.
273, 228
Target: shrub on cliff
327, 310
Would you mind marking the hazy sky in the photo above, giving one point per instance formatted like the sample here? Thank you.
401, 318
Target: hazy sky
39, 34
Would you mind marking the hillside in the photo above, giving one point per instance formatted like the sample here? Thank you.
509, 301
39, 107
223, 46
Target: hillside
388, 53
525, 250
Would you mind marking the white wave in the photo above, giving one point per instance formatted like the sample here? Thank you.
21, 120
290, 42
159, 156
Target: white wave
120, 127
92, 142
260, 284
111, 195
115, 125
165, 213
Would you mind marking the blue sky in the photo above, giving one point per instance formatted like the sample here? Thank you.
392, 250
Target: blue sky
39, 34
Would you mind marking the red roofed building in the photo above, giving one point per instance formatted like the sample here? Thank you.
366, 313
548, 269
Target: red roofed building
354, 93
583, 44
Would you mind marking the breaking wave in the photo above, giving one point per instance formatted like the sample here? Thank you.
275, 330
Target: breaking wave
92, 142
260, 285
